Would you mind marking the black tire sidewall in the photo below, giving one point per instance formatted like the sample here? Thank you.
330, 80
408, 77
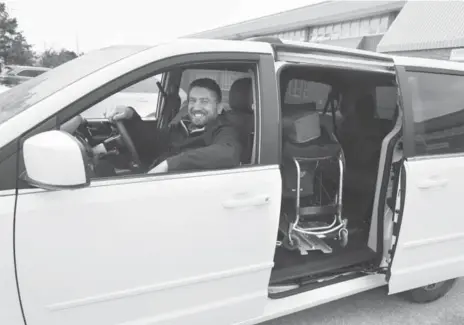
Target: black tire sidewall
422, 295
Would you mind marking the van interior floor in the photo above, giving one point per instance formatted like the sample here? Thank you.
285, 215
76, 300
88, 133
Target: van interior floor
291, 265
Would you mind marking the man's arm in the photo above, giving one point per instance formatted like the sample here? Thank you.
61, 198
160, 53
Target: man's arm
224, 152
145, 136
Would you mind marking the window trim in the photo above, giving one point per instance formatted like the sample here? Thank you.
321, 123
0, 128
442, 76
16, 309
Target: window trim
409, 149
158, 67
124, 180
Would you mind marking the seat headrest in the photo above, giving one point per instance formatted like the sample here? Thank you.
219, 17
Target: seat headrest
241, 95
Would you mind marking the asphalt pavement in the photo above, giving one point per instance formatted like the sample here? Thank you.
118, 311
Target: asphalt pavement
376, 307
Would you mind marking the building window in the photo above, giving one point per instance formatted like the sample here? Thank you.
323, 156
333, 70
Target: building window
329, 29
320, 31
295, 35
337, 31
374, 25
383, 27
364, 27
438, 112
345, 30
313, 34
354, 28
349, 29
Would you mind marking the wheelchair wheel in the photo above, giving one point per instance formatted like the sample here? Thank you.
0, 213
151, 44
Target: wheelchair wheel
343, 236
291, 245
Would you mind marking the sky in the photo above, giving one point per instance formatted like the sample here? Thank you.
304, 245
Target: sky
86, 25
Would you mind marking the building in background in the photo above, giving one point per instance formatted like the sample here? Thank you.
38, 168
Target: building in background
433, 29
430, 29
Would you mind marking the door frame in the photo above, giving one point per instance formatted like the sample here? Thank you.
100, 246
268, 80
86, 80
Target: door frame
404, 96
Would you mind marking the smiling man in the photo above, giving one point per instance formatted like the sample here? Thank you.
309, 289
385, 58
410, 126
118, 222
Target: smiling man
203, 140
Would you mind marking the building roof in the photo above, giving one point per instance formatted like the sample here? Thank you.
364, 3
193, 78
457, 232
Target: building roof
424, 25
317, 14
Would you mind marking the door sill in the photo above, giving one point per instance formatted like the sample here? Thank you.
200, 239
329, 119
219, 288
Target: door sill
290, 266
311, 285
276, 308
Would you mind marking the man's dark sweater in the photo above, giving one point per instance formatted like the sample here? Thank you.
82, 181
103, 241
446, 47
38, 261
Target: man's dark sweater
217, 146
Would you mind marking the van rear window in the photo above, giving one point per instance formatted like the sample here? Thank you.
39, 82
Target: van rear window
438, 112
307, 92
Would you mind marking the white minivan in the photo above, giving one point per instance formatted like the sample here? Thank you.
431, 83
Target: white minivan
349, 179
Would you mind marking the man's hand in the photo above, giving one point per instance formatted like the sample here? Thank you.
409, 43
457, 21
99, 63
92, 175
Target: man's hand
161, 168
72, 125
119, 113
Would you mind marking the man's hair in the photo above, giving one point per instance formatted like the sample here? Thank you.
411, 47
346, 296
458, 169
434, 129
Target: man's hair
208, 84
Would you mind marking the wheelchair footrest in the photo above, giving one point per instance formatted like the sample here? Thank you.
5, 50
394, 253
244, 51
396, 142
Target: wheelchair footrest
318, 210
312, 243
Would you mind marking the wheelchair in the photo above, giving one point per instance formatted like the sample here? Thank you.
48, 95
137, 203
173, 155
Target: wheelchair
312, 175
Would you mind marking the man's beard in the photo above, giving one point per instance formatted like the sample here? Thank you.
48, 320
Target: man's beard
198, 118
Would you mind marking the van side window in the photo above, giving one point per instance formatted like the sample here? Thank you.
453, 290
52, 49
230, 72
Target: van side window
438, 112
307, 92
224, 78
386, 97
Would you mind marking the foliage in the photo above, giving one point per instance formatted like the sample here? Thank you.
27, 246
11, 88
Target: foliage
51, 58
14, 48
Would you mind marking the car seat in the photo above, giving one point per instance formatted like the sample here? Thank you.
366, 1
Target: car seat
241, 114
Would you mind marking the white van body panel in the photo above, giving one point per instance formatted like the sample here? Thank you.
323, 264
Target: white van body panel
431, 237
133, 251
10, 309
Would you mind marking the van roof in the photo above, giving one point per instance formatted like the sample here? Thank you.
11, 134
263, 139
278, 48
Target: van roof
399, 60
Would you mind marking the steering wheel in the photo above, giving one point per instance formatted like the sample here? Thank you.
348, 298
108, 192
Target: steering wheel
129, 144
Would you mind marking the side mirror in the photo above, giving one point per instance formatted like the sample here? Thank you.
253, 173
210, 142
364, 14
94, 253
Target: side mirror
56, 160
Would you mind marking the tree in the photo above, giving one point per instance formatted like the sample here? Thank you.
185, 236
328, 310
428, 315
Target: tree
51, 58
14, 48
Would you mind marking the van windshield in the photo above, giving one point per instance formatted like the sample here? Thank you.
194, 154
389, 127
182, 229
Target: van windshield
29, 93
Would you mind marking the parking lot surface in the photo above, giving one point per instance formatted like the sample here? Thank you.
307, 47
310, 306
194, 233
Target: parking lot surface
376, 307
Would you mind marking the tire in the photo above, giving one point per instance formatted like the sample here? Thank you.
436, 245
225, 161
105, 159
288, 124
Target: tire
429, 293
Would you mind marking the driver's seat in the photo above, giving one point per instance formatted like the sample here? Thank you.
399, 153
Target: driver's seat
241, 114
172, 105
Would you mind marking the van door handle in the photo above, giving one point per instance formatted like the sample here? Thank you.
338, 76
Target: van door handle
248, 201
433, 183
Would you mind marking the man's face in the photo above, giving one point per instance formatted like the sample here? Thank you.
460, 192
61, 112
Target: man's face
203, 105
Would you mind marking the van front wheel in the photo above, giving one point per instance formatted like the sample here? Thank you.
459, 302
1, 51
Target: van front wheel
430, 292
